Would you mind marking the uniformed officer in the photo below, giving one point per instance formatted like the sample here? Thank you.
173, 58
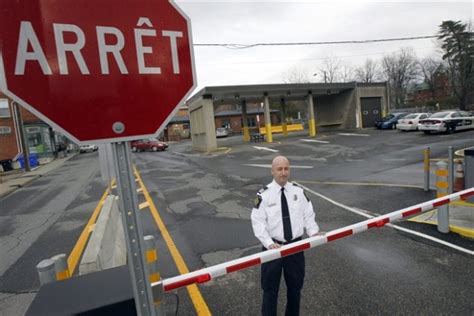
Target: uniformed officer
280, 215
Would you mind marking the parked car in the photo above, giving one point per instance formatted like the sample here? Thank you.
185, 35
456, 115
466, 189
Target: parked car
148, 145
88, 148
447, 121
390, 121
410, 121
222, 132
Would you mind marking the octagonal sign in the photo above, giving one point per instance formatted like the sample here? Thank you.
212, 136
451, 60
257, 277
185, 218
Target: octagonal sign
99, 71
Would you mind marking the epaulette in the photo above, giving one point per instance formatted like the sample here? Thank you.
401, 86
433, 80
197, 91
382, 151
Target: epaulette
304, 192
262, 190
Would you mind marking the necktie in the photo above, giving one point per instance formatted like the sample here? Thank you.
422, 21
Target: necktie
285, 213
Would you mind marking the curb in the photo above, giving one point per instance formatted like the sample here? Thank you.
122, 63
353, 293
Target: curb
16, 184
10, 186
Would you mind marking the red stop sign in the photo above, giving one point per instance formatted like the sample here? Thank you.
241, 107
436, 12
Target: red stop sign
98, 71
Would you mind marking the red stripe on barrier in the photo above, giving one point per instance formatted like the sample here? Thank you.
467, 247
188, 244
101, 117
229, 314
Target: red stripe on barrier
197, 279
243, 265
203, 278
466, 195
378, 223
340, 235
442, 202
410, 213
295, 249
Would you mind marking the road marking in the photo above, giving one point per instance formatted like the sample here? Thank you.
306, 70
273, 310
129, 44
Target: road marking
352, 134
269, 166
196, 296
394, 159
81, 242
143, 205
365, 184
265, 148
314, 141
364, 214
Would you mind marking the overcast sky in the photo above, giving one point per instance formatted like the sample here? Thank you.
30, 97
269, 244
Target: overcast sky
249, 22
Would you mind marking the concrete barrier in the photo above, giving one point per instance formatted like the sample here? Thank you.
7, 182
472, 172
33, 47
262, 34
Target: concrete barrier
106, 247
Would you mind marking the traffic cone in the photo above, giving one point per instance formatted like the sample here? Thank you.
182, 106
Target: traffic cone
459, 177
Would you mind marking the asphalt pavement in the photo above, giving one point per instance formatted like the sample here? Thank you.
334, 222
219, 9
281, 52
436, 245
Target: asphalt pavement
205, 198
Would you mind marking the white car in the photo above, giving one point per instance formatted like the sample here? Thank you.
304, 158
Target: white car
88, 148
410, 122
447, 121
222, 132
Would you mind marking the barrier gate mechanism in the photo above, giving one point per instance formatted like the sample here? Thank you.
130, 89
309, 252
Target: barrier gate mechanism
209, 273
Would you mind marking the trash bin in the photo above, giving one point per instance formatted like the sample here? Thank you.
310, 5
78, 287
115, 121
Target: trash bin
469, 171
6, 164
33, 161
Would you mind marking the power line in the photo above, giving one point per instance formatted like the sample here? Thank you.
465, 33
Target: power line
275, 61
244, 46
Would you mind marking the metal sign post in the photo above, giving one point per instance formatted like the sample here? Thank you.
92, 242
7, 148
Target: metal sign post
132, 226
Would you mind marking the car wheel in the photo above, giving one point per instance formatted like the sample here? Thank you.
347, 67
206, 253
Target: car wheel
154, 148
134, 149
426, 132
451, 129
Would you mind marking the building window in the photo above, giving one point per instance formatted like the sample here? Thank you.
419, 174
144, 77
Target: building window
4, 108
5, 130
251, 122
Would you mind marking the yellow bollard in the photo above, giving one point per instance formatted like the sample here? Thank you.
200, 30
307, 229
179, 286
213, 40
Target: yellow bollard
153, 274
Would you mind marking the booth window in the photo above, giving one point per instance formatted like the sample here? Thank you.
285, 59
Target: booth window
4, 108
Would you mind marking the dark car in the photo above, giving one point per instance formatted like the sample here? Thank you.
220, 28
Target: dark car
390, 121
148, 145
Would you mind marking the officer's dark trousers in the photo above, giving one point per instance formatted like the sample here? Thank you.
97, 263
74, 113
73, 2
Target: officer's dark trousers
293, 268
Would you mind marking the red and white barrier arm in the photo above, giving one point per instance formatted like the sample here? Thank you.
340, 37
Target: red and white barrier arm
209, 273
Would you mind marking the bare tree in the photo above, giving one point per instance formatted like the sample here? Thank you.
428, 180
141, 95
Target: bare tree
400, 69
295, 75
429, 68
368, 72
330, 69
346, 73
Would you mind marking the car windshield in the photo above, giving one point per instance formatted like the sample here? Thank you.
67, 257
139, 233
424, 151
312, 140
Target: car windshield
388, 117
440, 115
411, 116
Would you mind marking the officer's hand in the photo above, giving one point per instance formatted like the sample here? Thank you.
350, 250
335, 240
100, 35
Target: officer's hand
274, 246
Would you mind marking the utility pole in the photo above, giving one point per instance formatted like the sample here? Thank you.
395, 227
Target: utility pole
23, 140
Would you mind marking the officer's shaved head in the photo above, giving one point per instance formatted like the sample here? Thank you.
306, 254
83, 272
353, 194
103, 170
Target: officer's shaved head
281, 169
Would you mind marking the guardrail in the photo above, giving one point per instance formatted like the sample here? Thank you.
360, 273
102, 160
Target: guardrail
209, 273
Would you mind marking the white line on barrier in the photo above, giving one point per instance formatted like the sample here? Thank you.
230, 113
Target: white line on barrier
424, 208
209, 273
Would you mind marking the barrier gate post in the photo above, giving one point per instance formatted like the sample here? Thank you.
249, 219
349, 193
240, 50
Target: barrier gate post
442, 190
450, 169
426, 154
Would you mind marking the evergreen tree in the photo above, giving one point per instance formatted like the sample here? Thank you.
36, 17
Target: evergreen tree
457, 42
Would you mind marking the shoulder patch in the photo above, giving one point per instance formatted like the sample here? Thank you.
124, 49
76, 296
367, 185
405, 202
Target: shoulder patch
257, 201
